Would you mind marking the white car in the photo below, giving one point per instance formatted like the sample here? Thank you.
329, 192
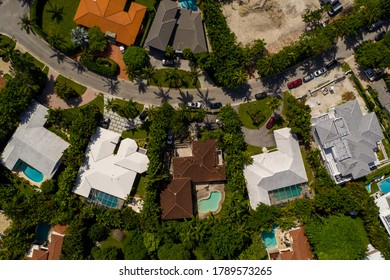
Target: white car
194, 105
320, 72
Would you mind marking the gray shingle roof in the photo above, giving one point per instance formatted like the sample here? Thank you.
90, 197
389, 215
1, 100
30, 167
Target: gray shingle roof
350, 137
177, 27
34, 144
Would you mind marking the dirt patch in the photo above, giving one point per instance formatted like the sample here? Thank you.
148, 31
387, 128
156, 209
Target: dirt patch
278, 22
4, 223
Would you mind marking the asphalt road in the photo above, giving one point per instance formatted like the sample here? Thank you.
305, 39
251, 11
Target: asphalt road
11, 11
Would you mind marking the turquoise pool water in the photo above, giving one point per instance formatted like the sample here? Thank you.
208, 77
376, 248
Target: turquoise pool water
288, 192
42, 232
211, 203
189, 4
368, 187
104, 198
385, 185
269, 239
30, 171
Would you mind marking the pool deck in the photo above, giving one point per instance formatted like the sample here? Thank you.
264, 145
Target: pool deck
203, 191
21, 174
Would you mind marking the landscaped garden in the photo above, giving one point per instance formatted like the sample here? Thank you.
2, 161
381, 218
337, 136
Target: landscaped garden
255, 114
66, 88
125, 108
175, 78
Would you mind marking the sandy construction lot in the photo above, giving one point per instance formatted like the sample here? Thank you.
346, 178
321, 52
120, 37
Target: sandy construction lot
278, 22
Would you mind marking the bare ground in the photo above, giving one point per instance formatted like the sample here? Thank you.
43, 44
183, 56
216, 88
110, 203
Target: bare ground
278, 22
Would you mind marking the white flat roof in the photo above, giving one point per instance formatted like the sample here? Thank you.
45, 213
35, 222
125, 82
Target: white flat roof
105, 171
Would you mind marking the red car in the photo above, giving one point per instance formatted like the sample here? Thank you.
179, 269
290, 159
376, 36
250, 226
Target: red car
294, 84
270, 123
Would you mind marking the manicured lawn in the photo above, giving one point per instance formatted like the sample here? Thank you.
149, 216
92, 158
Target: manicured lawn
80, 89
140, 185
5, 40
112, 242
179, 73
138, 133
65, 26
150, 4
98, 101
378, 173
309, 173
122, 104
386, 144
248, 108
252, 150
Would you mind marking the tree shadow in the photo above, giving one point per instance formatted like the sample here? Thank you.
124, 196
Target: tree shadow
331, 54
24, 2
112, 86
164, 96
240, 93
352, 41
205, 96
78, 66
142, 86
185, 97
60, 56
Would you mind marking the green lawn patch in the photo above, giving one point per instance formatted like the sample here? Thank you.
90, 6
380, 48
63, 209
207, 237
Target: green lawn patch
98, 101
345, 66
46, 70
150, 4
378, 173
140, 185
5, 41
309, 172
36, 62
137, 133
250, 108
120, 104
112, 242
252, 150
183, 78
80, 89
63, 27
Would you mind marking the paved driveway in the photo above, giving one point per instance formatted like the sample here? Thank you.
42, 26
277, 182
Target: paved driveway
258, 137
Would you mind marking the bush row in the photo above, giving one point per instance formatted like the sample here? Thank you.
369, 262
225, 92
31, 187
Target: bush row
100, 65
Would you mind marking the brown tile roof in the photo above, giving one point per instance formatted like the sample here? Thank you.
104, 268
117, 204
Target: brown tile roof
39, 255
176, 199
300, 246
60, 229
202, 166
55, 247
108, 15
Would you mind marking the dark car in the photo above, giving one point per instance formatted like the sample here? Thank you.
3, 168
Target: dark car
143, 115
380, 35
370, 74
270, 123
261, 95
331, 64
375, 26
294, 84
105, 123
167, 62
335, 7
215, 105
170, 139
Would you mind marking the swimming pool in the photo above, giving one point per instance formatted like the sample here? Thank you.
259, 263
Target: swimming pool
30, 172
385, 185
287, 192
42, 232
368, 187
103, 198
189, 4
211, 203
269, 238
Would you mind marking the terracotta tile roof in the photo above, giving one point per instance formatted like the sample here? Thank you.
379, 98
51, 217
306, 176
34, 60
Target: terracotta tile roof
108, 15
202, 166
39, 255
300, 246
176, 199
55, 247
60, 229
2, 83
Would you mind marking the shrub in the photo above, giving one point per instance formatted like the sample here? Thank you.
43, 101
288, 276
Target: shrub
97, 41
101, 65
64, 91
347, 96
135, 58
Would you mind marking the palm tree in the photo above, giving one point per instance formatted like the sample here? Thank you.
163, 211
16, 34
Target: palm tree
239, 77
57, 41
149, 73
22, 63
132, 73
26, 23
130, 110
57, 13
194, 74
111, 105
171, 78
273, 104
79, 36
270, 65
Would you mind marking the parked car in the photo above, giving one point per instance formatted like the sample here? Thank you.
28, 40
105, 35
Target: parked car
308, 78
261, 95
320, 72
370, 74
167, 62
270, 123
105, 123
170, 139
194, 105
375, 26
215, 105
380, 35
294, 84
335, 7
331, 64
143, 115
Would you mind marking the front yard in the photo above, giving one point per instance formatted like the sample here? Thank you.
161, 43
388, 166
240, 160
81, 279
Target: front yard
248, 113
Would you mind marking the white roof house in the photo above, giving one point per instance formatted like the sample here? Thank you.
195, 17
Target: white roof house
107, 172
383, 204
275, 170
34, 144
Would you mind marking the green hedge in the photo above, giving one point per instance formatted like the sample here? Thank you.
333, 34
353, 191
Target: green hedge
101, 65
